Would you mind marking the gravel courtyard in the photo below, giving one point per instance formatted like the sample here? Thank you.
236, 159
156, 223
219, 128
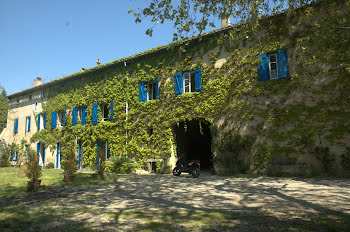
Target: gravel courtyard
167, 203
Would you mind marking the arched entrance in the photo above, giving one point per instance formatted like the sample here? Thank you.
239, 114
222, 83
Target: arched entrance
193, 141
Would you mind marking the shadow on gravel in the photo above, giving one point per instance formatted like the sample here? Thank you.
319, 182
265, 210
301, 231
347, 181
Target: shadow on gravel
166, 203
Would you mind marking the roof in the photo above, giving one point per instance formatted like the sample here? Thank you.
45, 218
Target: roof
81, 74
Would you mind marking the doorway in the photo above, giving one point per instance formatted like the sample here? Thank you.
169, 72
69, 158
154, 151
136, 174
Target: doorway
193, 141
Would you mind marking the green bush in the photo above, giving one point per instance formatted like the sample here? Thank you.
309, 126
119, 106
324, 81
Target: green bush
33, 170
121, 165
49, 166
4, 154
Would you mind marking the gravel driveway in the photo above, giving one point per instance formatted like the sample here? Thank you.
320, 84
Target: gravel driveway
253, 204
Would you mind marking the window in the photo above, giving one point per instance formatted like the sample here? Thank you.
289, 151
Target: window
41, 121
102, 153
61, 118
14, 155
27, 128
149, 90
15, 126
274, 65
106, 151
188, 82
35, 107
79, 113
30, 97
105, 112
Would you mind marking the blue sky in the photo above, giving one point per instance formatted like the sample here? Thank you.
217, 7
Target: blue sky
55, 38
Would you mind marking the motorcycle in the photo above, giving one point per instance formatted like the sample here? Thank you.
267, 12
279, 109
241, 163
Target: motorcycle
192, 167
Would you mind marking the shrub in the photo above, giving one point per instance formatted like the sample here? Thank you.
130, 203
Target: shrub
4, 154
49, 166
33, 171
121, 165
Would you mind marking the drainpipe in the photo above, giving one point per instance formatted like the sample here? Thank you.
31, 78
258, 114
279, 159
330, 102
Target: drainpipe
126, 112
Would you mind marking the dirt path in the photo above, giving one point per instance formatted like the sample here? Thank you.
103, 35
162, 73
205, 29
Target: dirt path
282, 198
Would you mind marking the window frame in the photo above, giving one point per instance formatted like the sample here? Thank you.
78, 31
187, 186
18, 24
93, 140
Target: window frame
276, 76
104, 107
27, 124
60, 117
151, 85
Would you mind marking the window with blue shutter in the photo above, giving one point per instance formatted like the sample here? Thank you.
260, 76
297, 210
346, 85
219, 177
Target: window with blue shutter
274, 65
198, 80
83, 115
29, 119
15, 126
58, 156
157, 89
282, 63
45, 117
53, 120
38, 151
75, 116
64, 118
27, 127
111, 111
178, 84
38, 122
142, 92
94, 113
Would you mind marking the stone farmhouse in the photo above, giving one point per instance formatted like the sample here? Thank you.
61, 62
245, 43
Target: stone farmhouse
246, 98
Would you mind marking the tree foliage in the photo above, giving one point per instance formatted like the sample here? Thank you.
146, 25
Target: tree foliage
3, 108
195, 16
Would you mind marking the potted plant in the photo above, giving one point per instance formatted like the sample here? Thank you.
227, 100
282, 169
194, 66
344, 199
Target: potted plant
33, 171
69, 162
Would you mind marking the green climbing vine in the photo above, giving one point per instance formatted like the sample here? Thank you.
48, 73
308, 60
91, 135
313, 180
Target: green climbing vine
281, 112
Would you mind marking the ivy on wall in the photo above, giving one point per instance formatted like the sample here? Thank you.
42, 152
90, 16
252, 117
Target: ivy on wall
312, 101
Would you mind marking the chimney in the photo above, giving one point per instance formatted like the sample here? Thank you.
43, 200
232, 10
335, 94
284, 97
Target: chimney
98, 61
37, 81
225, 22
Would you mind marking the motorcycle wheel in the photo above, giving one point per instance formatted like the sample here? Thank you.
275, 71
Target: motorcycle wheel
195, 173
176, 172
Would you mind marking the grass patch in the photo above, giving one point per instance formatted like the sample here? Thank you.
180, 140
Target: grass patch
14, 182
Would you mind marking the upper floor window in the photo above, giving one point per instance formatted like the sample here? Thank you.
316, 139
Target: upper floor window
188, 81
274, 65
27, 128
105, 112
42, 121
79, 113
149, 90
61, 118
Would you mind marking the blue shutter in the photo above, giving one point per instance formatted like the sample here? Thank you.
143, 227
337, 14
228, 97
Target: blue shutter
142, 92
58, 155
282, 62
157, 89
75, 116
38, 122
12, 153
29, 119
94, 113
16, 156
79, 157
15, 127
53, 119
111, 111
64, 118
45, 116
179, 84
43, 154
198, 79
263, 68
83, 115
38, 150
97, 157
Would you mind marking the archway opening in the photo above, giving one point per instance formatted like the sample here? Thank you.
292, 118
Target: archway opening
193, 141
